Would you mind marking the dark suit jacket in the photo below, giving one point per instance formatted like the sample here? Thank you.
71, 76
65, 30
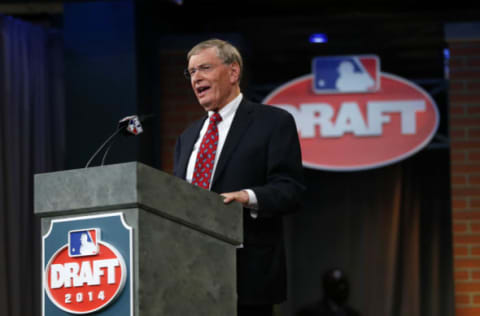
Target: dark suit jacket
262, 153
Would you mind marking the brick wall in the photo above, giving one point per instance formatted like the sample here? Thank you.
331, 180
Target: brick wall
465, 168
178, 105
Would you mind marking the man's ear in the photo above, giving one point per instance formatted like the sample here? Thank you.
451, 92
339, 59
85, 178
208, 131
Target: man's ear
234, 73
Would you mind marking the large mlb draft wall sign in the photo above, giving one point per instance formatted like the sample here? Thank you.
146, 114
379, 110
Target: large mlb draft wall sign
351, 116
87, 266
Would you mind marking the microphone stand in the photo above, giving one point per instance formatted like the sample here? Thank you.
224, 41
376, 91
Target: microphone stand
109, 141
106, 152
122, 126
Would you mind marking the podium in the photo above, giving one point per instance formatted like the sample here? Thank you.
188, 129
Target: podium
177, 255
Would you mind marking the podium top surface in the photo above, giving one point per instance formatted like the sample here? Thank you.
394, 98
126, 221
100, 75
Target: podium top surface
133, 184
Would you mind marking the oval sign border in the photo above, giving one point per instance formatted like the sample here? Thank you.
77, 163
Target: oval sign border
111, 300
371, 165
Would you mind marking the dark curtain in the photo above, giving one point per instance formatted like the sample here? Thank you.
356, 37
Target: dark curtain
388, 229
31, 141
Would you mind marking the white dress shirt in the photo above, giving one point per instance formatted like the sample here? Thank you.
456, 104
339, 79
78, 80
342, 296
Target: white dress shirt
227, 113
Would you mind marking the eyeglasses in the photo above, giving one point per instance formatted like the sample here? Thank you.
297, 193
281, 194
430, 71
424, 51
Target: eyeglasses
205, 68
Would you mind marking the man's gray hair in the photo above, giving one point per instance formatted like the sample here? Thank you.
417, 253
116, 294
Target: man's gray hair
228, 53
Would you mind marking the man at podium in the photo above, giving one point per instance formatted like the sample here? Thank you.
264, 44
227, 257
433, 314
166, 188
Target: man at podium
249, 153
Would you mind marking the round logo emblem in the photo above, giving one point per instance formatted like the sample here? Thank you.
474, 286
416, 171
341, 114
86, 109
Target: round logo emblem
355, 131
88, 282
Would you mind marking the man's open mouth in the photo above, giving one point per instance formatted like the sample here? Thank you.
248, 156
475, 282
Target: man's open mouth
202, 89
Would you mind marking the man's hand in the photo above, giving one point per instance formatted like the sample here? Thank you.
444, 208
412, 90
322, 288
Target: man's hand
239, 196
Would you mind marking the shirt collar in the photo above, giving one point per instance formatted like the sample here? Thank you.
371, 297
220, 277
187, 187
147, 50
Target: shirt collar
229, 109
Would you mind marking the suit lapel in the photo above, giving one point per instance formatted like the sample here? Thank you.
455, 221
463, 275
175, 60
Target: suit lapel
187, 147
239, 126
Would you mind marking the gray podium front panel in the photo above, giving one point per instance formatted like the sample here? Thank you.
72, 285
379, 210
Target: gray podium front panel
185, 238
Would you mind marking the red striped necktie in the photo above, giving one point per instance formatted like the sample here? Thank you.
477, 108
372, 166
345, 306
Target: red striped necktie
202, 173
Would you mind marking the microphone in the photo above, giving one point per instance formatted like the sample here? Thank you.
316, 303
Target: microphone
133, 124
129, 125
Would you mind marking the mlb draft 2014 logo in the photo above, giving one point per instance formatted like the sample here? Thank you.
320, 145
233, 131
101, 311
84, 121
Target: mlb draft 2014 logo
86, 274
350, 116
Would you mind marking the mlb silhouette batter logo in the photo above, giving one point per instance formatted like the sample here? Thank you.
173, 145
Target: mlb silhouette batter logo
346, 74
83, 242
